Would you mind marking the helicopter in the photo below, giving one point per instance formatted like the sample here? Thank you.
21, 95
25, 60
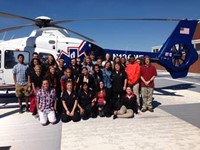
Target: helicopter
177, 54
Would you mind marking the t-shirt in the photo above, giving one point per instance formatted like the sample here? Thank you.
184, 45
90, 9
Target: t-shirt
85, 98
118, 81
37, 80
69, 99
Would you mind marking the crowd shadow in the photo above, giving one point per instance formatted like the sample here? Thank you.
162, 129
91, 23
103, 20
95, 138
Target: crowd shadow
9, 113
5, 147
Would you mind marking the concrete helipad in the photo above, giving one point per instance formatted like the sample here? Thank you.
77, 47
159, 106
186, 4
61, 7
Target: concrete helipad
172, 126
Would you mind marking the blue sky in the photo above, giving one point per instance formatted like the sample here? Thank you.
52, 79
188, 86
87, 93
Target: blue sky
128, 35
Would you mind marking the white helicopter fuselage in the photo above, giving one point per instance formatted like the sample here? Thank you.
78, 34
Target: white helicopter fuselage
44, 41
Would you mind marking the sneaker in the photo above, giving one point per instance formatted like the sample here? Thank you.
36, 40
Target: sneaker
36, 116
21, 110
114, 116
143, 110
151, 109
26, 109
34, 113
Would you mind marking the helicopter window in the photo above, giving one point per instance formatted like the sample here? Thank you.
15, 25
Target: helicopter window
52, 42
11, 58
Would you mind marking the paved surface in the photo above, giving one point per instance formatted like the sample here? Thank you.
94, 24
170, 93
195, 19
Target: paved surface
164, 129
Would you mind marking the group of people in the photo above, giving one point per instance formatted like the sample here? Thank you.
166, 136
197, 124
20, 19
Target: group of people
81, 90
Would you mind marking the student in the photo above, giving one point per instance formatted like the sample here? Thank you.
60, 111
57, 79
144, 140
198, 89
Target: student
46, 103
148, 74
133, 76
30, 70
70, 103
74, 68
36, 83
119, 83
85, 77
106, 72
51, 76
21, 81
97, 75
87, 62
129, 105
87, 103
50, 62
35, 55
65, 78
101, 99
59, 74
107, 59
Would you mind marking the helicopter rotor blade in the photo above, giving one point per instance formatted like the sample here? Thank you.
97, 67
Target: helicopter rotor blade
16, 27
81, 35
7, 15
117, 19
74, 32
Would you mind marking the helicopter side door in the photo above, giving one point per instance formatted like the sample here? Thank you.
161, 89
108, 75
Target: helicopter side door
8, 60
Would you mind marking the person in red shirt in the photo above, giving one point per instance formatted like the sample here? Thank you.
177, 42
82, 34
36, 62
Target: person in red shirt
101, 101
148, 74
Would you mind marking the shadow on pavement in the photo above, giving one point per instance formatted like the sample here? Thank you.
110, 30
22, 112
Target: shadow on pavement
162, 90
9, 113
155, 104
5, 147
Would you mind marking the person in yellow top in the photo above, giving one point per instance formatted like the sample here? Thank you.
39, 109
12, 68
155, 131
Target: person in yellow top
133, 76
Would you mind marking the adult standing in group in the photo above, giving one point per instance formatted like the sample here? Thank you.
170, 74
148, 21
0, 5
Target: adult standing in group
133, 75
21, 81
148, 74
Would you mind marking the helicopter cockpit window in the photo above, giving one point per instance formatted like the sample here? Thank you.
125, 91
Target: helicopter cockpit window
11, 58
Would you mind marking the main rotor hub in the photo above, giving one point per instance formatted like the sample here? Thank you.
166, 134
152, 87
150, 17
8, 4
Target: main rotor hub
43, 21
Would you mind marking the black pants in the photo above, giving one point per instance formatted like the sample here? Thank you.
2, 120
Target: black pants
87, 112
67, 118
108, 95
116, 100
